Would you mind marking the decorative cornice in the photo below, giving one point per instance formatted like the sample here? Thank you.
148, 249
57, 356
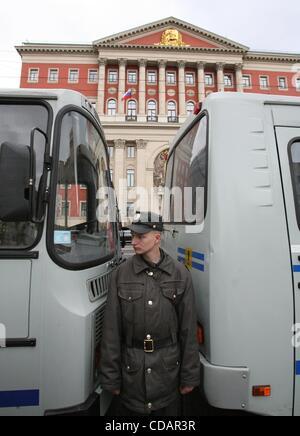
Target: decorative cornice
170, 48
141, 144
272, 57
56, 48
120, 144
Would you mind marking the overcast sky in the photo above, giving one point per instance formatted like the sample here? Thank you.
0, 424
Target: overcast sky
259, 24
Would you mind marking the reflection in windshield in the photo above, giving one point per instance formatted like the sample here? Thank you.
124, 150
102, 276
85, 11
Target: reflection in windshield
78, 235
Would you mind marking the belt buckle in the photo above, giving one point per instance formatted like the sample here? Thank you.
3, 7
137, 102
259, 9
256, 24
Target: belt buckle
149, 346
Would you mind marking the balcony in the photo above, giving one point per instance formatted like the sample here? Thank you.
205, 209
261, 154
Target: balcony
173, 119
131, 118
152, 119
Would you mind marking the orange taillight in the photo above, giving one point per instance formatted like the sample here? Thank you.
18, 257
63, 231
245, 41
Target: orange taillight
261, 391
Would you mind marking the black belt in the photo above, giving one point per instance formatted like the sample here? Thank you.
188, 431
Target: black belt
150, 345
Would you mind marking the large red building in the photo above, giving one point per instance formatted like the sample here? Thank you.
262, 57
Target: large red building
167, 67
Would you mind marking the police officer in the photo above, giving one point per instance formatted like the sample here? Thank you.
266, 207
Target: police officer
149, 353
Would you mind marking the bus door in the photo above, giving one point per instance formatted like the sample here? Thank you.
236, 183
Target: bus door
288, 142
23, 143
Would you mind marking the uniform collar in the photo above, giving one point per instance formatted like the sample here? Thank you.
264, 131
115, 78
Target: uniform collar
140, 265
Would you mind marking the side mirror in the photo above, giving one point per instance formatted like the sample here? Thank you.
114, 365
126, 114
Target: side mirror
15, 179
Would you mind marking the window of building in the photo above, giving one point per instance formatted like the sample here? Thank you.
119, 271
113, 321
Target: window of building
152, 77
246, 81
228, 80
190, 79
33, 75
131, 152
132, 77
172, 109
53, 75
73, 76
132, 108
130, 210
130, 178
264, 82
152, 110
171, 78
190, 107
113, 76
93, 76
83, 209
282, 83
209, 79
112, 107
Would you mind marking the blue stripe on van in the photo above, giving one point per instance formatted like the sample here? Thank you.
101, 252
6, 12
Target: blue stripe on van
198, 266
296, 268
19, 398
181, 251
198, 256
298, 368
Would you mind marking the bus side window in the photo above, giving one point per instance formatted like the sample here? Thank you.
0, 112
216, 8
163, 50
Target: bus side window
188, 199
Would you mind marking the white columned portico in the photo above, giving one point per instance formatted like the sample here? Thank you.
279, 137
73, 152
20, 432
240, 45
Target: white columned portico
220, 74
162, 88
181, 88
201, 80
142, 89
122, 85
239, 77
101, 87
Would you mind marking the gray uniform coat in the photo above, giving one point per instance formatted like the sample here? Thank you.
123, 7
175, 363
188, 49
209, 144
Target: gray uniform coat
159, 307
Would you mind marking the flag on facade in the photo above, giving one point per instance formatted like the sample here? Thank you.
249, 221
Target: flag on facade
127, 95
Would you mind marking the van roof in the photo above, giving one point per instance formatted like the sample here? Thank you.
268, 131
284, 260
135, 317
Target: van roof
36, 93
236, 97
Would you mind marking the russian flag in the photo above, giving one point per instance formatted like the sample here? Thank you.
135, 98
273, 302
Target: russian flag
127, 95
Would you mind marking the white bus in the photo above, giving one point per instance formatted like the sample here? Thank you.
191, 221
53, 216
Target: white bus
243, 249
58, 247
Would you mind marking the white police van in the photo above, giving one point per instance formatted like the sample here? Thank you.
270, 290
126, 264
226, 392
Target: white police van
243, 251
58, 248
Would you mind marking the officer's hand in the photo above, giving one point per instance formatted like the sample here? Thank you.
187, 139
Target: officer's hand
116, 393
186, 390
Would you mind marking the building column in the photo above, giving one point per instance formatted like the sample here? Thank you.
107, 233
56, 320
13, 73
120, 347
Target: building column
220, 71
181, 79
162, 88
142, 89
201, 81
141, 164
101, 87
122, 85
239, 77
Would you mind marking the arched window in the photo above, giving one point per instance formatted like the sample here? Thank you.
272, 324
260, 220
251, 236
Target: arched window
132, 108
112, 107
190, 107
152, 110
172, 112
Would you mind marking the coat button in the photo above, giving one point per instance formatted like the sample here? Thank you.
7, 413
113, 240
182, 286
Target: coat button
128, 368
150, 303
148, 337
149, 371
149, 406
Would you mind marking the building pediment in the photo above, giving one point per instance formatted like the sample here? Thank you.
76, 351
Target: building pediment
170, 33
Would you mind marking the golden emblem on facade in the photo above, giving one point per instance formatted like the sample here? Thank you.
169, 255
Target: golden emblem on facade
172, 38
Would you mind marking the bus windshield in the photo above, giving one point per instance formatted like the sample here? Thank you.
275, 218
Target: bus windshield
16, 123
82, 235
